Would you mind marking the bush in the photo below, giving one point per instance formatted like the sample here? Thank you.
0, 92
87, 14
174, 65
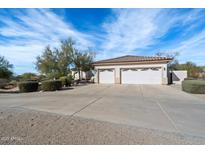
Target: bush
190, 78
3, 83
66, 80
13, 83
51, 85
28, 86
194, 86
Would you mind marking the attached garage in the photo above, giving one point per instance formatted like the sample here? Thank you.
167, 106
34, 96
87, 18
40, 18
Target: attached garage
141, 76
106, 76
132, 70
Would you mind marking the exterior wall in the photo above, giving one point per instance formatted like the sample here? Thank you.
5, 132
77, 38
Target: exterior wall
117, 71
178, 76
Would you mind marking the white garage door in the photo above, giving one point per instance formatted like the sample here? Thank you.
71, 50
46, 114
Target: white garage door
141, 76
106, 76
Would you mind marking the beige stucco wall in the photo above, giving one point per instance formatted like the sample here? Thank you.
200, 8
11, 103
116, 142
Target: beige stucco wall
117, 70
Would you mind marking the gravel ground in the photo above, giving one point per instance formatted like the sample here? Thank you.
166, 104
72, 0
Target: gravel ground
23, 126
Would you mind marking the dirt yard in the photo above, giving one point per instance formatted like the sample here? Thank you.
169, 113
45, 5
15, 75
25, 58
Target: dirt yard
23, 126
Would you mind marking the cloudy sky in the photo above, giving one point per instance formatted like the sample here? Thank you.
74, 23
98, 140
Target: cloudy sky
24, 33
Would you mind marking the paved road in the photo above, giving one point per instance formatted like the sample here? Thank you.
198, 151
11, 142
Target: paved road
162, 108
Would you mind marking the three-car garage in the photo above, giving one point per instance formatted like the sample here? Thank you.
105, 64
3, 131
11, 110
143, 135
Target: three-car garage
132, 76
132, 70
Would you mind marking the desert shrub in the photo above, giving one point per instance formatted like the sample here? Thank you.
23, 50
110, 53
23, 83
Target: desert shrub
70, 79
194, 86
51, 85
13, 82
190, 78
66, 80
63, 80
28, 86
3, 83
27, 77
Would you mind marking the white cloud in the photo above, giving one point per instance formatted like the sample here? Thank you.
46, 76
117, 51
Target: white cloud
196, 40
31, 31
133, 29
126, 31
191, 49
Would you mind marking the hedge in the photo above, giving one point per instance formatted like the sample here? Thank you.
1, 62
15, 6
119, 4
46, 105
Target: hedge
194, 86
28, 86
51, 85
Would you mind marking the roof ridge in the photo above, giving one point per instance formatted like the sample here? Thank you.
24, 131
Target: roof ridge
115, 58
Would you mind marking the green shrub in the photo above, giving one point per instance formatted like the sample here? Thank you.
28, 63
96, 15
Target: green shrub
28, 86
194, 86
51, 85
66, 80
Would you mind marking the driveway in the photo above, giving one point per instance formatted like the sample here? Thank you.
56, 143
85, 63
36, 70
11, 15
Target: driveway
155, 107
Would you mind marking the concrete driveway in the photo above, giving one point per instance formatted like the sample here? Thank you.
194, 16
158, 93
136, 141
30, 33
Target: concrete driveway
155, 107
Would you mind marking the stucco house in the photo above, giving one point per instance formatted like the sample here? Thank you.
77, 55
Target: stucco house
132, 70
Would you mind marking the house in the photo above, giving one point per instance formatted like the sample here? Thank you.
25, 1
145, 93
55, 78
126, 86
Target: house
132, 70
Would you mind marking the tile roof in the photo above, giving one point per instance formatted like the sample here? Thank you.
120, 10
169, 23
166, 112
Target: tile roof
130, 58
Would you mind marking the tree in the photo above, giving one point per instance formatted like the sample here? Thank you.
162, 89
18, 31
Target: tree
192, 69
55, 63
65, 55
5, 68
83, 61
46, 63
174, 63
27, 76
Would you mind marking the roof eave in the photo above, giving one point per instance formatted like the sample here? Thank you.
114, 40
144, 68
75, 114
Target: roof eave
132, 62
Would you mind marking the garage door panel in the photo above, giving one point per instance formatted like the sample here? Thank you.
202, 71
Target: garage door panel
141, 76
106, 76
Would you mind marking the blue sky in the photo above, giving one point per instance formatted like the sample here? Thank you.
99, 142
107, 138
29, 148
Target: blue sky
24, 33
